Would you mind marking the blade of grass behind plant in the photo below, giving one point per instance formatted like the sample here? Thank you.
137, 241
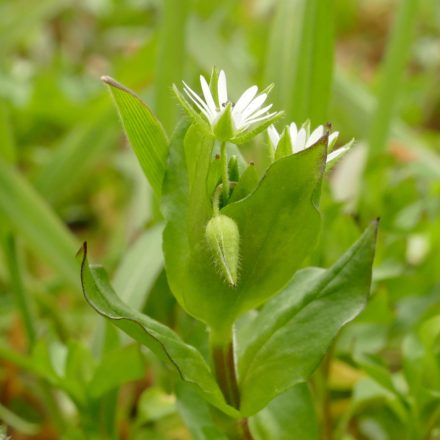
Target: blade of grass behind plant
397, 52
31, 217
76, 154
171, 59
300, 58
7, 145
22, 299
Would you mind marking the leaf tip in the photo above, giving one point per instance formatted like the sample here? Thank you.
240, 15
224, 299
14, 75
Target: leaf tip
113, 83
82, 251
375, 224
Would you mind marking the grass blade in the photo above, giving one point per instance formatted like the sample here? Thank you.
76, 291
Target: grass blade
397, 53
31, 217
171, 59
300, 58
16, 282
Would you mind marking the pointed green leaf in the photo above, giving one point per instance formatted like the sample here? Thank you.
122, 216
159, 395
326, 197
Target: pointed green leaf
160, 339
293, 331
144, 132
224, 126
284, 147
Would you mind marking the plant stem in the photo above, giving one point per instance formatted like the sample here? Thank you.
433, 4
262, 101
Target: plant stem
225, 172
222, 350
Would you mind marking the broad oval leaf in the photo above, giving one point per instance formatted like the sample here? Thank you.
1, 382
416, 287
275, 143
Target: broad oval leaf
144, 132
278, 225
160, 339
293, 331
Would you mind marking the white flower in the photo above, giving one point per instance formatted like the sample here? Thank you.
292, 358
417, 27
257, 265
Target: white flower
300, 140
228, 121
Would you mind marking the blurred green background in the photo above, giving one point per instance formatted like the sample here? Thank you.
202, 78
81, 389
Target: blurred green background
370, 67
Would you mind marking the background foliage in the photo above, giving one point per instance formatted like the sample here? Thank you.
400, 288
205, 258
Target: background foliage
66, 174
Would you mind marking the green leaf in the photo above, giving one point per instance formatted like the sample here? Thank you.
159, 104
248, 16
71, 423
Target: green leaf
117, 367
154, 405
284, 147
144, 132
290, 416
293, 331
278, 225
160, 339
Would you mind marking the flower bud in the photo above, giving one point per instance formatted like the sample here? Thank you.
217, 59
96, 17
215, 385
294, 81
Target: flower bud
223, 240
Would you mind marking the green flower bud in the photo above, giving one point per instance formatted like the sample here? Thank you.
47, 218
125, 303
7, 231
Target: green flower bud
223, 240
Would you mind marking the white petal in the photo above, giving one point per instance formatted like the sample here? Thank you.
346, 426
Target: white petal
208, 95
261, 118
222, 88
254, 106
332, 138
300, 141
203, 110
196, 98
273, 135
245, 99
259, 112
293, 132
315, 136
334, 154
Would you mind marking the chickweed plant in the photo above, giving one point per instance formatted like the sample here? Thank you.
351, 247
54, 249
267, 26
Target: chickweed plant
234, 243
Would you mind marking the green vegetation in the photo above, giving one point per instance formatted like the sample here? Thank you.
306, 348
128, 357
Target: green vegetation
334, 351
